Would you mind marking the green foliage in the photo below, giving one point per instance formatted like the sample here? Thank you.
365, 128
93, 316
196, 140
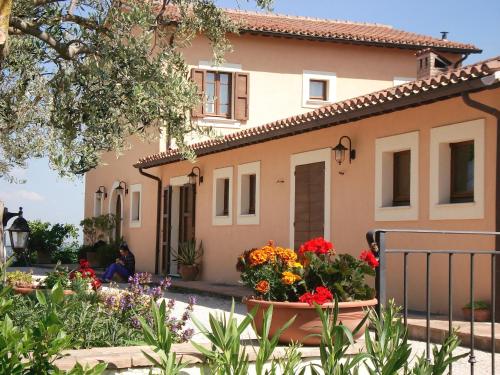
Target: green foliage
227, 355
107, 253
98, 228
68, 254
161, 339
478, 305
20, 279
344, 276
49, 238
58, 276
188, 254
83, 76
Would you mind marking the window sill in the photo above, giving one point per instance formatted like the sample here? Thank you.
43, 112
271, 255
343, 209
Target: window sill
456, 211
310, 103
135, 224
222, 220
396, 213
220, 122
248, 219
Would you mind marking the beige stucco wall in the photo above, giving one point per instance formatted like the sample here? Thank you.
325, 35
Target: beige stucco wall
352, 200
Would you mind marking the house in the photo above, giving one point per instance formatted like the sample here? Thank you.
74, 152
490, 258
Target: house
328, 133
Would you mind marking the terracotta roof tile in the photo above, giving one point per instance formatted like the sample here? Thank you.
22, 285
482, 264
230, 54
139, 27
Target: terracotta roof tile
329, 112
337, 30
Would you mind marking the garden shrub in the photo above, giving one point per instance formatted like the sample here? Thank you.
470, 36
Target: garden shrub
48, 238
68, 254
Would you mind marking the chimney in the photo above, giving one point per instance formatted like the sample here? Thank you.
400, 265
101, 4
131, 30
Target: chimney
430, 63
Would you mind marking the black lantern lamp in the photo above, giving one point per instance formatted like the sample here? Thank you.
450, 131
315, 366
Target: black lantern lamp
340, 151
192, 176
101, 192
122, 187
18, 233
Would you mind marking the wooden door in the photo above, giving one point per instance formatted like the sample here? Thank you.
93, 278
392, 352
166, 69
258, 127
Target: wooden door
167, 227
309, 220
187, 213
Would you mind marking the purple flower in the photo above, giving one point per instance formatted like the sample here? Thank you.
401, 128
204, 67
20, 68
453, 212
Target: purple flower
187, 335
186, 316
166, 283
171, 303
156, 292
134, 321
191, 300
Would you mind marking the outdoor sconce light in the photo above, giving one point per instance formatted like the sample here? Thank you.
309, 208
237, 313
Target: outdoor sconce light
192, 176
340, 151
122, 186
18, 232
101, 192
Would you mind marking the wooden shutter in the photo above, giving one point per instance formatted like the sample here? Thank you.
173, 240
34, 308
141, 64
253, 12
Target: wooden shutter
241, 96
167, 227
198, 77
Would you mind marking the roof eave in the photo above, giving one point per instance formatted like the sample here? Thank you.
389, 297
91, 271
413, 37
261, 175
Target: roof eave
414, 47
422, 98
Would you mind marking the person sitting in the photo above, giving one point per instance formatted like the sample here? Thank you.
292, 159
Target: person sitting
124, 266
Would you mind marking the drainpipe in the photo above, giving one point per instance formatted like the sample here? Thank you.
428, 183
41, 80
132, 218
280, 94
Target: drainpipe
158, 216
460, 60
496, 113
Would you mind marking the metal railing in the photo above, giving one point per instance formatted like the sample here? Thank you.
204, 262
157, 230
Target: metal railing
377, 242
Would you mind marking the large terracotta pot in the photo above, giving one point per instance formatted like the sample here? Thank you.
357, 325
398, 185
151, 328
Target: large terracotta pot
480, 315
307, 321
23, 290
188, 272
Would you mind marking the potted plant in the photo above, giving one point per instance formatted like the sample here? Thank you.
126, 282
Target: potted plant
97, 230
58, 276
482, 311
21, 282
295, 283
188, 256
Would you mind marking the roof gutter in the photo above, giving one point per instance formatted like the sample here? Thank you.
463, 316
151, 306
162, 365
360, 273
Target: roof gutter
489, 80
329, 121
158, 215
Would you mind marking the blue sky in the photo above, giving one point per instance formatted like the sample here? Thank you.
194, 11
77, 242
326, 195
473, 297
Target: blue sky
47, 197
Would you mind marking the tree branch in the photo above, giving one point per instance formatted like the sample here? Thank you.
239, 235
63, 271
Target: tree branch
38, 3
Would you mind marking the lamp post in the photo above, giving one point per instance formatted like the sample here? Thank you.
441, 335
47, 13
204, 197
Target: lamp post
18, 234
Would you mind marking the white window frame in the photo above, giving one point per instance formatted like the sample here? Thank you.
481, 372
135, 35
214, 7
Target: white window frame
384, 169
98, 212
401, 80
137, 188
247, 169
309, 157
220, 173
439, 182
331, 82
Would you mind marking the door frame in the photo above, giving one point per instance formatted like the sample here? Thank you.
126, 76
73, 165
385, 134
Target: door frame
309, 157
114, 196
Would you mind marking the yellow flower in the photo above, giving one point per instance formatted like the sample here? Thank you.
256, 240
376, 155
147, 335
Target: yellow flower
295, 265
270, 253
289, 278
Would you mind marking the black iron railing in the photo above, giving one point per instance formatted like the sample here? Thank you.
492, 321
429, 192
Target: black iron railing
377, 242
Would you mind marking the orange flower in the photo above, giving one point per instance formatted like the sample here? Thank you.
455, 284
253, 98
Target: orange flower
258, 257
262, 286
286, 255
270, 253
289, 278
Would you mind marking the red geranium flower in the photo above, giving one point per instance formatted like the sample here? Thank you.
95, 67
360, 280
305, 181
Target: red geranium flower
368, 257
320, 296
317, 245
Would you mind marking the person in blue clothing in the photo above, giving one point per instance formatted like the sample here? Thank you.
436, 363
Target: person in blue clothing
124, 265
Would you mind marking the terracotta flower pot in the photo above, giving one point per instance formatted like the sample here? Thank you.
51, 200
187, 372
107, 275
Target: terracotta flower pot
188, 272
68, 292
23, 290
480, 315
307, 321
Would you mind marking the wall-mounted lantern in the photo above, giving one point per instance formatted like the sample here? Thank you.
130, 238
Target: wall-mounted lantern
192, 176
101, 192
340, 151
122, 187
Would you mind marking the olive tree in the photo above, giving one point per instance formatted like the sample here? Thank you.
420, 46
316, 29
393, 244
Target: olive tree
79, 77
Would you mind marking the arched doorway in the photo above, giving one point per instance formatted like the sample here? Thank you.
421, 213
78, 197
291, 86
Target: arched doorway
118, 215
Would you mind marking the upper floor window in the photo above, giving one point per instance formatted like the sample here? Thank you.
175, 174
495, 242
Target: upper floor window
401, 178
462, 172
218, 94
222, 94
317, 89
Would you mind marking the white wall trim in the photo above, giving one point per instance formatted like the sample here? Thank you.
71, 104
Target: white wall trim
384, 149
309, 157
245, 169
219, 173
226, 67
331, 79
136, 188
96, 211
112, 203
439, 181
